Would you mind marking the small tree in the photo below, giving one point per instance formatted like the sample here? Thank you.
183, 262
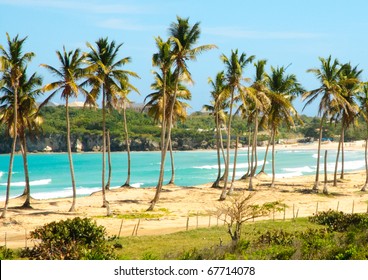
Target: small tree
238, 210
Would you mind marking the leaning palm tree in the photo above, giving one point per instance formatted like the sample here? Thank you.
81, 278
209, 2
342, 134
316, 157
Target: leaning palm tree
12, 63
106, 78
27, 118
283, 89
329, 92
183, 37
363, 100
234, 65
68, 74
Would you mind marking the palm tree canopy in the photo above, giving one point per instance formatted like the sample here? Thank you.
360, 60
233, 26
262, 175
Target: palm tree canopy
183, 38
106, 72
29, 90
155, 99
283, 89
67, 75
13, 61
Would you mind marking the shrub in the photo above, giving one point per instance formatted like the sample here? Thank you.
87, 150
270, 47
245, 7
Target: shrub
339, 221
70, 239
6, 254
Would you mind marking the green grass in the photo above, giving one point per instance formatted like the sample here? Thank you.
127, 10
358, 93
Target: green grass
177, 245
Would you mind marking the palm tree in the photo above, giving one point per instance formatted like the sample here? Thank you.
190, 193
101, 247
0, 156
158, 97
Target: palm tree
283, 89
330, 89
156, 105
257, 101
217, 108
27, 118
12, 63
67, 76
234, 65
107, 77
346, 112
121, 103
363, 100
183, 37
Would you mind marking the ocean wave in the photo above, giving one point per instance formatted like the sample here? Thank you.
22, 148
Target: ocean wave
288, 175
303, 169
41, 182
1, 174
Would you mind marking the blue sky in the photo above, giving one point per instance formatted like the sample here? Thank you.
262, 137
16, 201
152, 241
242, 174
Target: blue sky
283, 32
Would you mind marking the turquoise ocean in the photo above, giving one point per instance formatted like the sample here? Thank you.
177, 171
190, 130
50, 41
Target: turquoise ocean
50, 175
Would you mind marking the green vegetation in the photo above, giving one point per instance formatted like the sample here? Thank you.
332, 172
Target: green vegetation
328, 235
74, 239
198, 126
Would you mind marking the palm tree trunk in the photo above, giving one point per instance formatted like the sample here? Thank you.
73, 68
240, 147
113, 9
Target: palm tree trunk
27, 189
337, 161
216, 184
127, 182
228, 143
104, 202
107, 187
364, 188
325, 190
245, 176
10, 171
163, 147
255, 137
231, 190
265, 158
342, 152
316, 182
172, 179
71, 167
273, 157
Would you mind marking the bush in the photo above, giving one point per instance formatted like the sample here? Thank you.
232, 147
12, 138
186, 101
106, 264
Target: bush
6, 254
70, 240
339, 221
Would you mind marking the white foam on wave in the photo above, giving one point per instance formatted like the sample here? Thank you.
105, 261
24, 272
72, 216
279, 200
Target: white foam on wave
41, 182
303, 169
1, 174
136, 185
288, 175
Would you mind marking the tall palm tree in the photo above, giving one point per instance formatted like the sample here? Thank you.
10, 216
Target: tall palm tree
68, 74
107, 77
12, 63
363, 100
156, 106
121, 103
183, 37
257, 101
283, 89
346, 112
217, 109
330, 97
234, 65
27, 117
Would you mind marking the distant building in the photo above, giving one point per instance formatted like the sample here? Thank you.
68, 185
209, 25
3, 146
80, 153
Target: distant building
137, 107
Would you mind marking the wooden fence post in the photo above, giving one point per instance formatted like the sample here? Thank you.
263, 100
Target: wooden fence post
121, 225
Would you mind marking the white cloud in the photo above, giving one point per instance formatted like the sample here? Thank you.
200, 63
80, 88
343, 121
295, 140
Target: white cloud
122, 24
236, 32
97, 7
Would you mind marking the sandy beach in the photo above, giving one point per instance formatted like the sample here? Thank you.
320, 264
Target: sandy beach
178, 203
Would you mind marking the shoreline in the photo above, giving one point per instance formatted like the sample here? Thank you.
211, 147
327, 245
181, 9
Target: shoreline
177, 204
348, 146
